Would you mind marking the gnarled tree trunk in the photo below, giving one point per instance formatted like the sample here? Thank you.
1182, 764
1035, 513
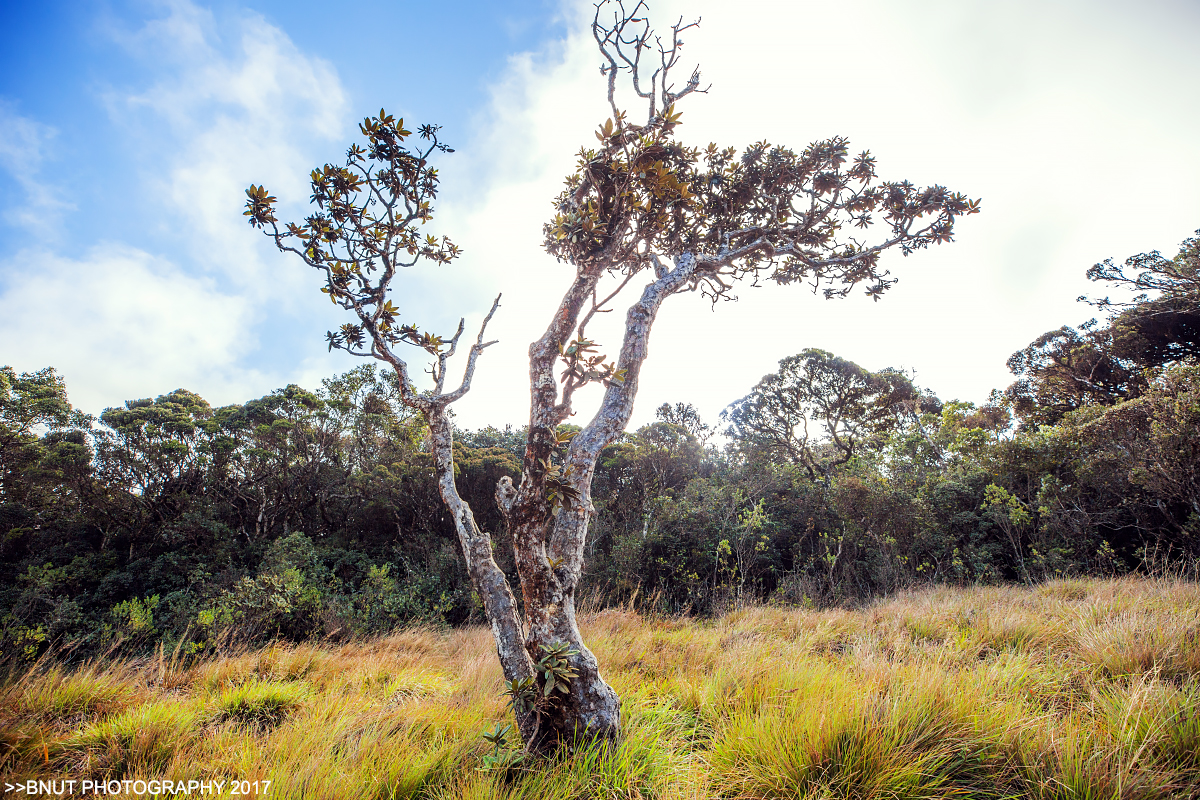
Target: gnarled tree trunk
549, 542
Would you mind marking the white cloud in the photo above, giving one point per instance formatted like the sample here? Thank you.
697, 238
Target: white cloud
118, 323
233, 103
246, 107
1074, 122
24, 144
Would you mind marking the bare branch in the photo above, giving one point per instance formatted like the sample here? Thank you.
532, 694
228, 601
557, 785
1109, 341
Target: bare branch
622, 43
472, 357
448, 353
598, 307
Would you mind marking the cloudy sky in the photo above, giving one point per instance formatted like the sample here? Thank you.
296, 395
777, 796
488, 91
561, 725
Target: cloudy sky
129, 130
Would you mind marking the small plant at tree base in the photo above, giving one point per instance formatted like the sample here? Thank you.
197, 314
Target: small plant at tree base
528, 697
503, 756
554, 668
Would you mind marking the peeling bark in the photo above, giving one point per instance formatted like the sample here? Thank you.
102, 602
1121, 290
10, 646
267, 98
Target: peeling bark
489, 580
548, 543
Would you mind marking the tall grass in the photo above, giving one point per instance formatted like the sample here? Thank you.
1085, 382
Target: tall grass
1073, 689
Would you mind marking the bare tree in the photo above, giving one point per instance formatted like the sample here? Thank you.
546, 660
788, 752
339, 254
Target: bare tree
641, 207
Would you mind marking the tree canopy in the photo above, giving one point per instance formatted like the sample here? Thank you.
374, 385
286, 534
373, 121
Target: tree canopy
853, 410
1106, 363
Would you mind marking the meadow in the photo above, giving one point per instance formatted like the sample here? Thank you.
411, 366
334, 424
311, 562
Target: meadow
1069, 689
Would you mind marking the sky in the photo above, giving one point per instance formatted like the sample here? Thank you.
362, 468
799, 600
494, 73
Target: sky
129, 131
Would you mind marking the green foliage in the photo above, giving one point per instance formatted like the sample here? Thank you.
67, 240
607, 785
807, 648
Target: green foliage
135, 617
1106, 364
582, 366
503, 755
248, 521
263, 703
367, 225
559, 490
555, 669
856, 409
523, 694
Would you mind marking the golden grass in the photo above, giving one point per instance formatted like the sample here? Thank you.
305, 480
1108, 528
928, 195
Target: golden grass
1072, 689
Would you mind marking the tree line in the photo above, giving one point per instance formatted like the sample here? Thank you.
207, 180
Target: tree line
317, 513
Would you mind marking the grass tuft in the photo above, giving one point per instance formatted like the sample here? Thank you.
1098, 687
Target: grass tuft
140, 740
262, 703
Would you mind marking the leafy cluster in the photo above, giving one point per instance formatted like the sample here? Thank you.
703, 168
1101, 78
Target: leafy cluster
769, 210
581, 365
367, 226
554, 668
560, 488
553, 673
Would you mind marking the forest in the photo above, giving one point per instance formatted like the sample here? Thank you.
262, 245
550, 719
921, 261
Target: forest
314, 513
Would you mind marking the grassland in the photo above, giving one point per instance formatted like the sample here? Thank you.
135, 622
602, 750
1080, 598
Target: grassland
1074, 689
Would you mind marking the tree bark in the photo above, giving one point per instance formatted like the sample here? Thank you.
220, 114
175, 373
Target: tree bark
489, 580
548, 542
592, 709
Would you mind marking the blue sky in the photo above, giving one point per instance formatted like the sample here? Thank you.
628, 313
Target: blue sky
67, 66
129, 129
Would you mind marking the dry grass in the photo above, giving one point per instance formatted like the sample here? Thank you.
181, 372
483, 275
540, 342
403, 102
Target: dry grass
1074, 689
